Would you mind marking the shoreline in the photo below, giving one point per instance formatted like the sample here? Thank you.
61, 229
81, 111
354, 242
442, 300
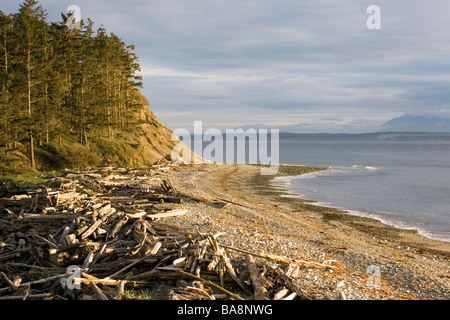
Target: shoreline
428, 234
410, 235
241, 203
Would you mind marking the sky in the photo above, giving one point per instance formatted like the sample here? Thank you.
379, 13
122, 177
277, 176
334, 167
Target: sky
295, 65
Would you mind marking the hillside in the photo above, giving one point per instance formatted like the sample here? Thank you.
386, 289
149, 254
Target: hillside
149, 142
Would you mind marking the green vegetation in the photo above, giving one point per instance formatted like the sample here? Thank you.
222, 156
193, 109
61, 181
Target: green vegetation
136, 295
70, 97
28, 178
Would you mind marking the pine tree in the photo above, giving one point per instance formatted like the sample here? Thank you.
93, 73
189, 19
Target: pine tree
86, 80
56, 115
133, 82
30, 28
104, 54
6, 57
60, 82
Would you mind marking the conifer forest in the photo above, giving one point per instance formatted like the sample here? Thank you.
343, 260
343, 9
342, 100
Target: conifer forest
63, 84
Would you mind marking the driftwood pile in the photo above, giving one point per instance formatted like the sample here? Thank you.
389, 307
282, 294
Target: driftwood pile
98, 234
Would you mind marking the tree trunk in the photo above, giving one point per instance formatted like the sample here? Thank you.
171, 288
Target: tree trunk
6, 113
32, 163
30, 130
86, 141
46, 115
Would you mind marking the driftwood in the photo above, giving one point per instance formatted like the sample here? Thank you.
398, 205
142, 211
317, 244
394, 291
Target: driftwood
209, 283
259, 292
291, 285
101, 231
191, 293
98, 292
284, 259
27, 297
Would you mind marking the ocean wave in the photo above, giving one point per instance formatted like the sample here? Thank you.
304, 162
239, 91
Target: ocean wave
289, 187
429, 234
290, 179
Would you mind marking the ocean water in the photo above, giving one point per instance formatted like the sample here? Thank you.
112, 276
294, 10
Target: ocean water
402, 183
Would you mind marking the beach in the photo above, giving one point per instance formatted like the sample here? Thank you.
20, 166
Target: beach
372, 260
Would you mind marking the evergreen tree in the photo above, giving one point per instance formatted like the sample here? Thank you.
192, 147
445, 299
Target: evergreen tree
30, 28
56, 115
6, 57
60, 82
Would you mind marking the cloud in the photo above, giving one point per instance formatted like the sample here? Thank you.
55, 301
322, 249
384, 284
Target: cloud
282, 62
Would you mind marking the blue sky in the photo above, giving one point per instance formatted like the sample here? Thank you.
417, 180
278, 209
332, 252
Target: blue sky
295, 65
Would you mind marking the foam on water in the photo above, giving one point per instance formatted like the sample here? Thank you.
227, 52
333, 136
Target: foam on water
310, 187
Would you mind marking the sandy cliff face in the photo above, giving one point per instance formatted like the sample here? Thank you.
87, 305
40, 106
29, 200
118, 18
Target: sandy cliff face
152, 137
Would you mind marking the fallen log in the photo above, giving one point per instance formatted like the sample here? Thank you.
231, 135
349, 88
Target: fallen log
291, 285
280, 294
48, 217
167, 214
259, 292
283, 259
98, 292
40, 281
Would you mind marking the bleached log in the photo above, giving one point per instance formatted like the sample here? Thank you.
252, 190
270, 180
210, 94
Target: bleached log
88, 260
280, 294
291, 296
283, 259
260, 293
168, 214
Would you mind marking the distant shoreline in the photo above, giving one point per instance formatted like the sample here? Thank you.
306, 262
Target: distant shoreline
371, 136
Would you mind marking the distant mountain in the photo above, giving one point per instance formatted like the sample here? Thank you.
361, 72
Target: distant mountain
410, 123
374, 136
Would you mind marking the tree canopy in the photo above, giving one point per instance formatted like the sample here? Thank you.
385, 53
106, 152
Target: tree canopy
60, 83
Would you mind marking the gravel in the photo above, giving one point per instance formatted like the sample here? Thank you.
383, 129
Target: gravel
253, 217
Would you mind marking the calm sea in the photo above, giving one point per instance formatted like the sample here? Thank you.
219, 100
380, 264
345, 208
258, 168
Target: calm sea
403, 184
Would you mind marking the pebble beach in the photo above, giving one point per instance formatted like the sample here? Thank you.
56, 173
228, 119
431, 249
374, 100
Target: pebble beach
373, 261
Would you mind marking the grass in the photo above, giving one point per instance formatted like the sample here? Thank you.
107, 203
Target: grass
136, 295
28, 178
